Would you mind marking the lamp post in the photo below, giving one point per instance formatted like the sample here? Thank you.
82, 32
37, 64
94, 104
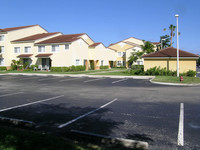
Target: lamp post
177, 67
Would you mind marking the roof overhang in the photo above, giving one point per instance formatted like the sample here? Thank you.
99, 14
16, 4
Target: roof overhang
44, 55
25, 56
52, 43
170, 57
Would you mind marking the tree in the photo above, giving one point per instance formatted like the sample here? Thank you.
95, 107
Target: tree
172, 34
148, 47
165, 43
198, 61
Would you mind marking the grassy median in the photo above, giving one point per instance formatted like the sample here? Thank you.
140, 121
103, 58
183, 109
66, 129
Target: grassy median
172, 79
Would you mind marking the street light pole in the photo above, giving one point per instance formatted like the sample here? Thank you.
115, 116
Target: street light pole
177, 67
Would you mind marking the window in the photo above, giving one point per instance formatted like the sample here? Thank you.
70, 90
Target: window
1, 37
16, 49
27, 49
101, 62
1, 61
66, 46
139, 62
55, 48
124, 54
119, 63
119, 54
1, 49
41, 49
77, 62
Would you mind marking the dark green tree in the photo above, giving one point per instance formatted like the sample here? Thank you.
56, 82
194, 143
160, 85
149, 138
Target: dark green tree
166, 42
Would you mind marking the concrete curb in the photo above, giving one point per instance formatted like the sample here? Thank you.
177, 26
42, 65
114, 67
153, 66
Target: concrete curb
18, 122
173, 84
83, 75
127, 143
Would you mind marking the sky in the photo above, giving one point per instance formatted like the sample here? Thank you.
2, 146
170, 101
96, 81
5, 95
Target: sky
109, 21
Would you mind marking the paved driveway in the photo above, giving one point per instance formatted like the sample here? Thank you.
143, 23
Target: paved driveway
127, 108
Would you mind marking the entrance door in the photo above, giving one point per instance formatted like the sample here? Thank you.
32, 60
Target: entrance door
46, 63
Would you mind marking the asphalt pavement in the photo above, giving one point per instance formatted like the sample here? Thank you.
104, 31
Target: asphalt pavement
124, 108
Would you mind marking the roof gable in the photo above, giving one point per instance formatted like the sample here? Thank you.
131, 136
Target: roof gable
170, 52
36, 37
15, 28
62, 39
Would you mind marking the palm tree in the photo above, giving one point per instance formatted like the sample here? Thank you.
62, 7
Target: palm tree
166, 42
172, 34
148, 47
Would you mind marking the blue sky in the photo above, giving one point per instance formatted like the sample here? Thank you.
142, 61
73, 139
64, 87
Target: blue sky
109, 21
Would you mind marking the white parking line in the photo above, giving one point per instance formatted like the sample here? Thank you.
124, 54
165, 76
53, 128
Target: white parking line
11, 94
84, 115
181, 126
94, 80
31, 103
70, 79
119, 81
29, 78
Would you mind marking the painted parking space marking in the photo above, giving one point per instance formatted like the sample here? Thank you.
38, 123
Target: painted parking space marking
86, 114
181, 126
71, 79
94, 80
23, 105
11, 94
119, 81
28, 78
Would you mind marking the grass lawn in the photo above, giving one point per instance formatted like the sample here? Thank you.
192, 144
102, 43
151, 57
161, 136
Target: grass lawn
78, 72
19, 139
171, 79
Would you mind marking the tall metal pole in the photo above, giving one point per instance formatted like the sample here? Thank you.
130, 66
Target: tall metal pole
177, 67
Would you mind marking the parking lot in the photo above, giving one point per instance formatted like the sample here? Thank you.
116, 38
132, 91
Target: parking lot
117, 107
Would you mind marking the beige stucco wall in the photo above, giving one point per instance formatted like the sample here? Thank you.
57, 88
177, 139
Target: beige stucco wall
134, 40
184, 64
101, 53
87, 39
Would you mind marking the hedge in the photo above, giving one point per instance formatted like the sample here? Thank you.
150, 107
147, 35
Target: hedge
104, 67
68, 69
3, 68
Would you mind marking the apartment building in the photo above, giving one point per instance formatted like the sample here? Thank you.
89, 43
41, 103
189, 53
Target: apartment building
35, 45
124, 49
10, 34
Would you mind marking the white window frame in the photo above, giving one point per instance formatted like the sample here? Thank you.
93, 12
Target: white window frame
77, 62
16, 49
1, 61
41, 49
2, 49
28, 48
55, 48
2, 38
66, 47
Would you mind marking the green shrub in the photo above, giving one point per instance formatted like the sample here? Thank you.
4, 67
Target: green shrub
191, 73
33, 67
27, 70
137, 67
56, 69
104, 67
92, 65
65, 69
119, 67
2, 68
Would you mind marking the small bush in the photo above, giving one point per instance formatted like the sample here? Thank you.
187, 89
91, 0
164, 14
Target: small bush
56, 69
65, 69
137, 67
2, 68
191, 73
27, 70
104, 67
33, 67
